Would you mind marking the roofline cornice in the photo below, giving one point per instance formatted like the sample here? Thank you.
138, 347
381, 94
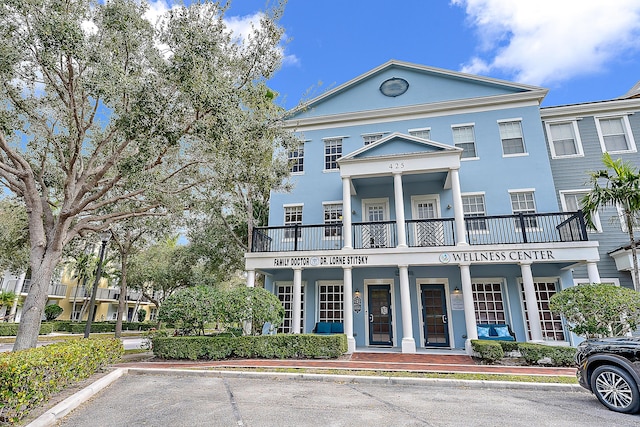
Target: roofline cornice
590, 108
457, 106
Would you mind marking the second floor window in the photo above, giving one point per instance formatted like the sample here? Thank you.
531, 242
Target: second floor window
296, 159
572, 202
511, 137
523, 202
332, 152
333, 215
463, 137
473, 206
292, 216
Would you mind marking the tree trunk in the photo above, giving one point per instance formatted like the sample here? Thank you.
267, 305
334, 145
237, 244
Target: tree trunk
122, 301
634, 252
33, 308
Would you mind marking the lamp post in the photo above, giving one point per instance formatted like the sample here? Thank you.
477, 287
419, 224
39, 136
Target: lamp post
104, 236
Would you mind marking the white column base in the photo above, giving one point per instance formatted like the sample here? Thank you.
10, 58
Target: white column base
351, 345
467, 347
408, 345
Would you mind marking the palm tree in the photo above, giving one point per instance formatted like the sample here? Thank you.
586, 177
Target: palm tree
6, 299
620, 187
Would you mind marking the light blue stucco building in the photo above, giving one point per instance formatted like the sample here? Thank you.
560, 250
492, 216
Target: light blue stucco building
423, 206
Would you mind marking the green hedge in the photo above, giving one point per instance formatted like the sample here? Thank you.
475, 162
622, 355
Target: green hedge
280, 346
97, 327
487, 350
492, 351
29, 377
11, 329
559, 356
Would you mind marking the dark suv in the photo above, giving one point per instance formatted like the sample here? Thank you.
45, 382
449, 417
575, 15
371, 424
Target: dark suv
610, 369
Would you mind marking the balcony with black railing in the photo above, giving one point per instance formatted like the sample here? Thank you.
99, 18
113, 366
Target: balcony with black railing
440, 232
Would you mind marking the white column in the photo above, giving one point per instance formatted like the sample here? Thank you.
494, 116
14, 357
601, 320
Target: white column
296, 308
408, 343
346, 213
592, 272
348, 309
399, 200
251, 278
458, 211
467, 299
532, 302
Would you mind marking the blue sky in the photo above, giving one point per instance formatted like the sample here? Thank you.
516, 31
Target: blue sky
581, 50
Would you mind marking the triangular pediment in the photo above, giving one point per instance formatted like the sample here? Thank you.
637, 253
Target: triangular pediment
398, 84
397, 144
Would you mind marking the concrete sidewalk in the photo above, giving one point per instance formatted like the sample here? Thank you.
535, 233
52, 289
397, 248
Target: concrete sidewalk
370, 361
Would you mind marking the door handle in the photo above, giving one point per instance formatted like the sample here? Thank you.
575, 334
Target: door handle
371, 318
444, 318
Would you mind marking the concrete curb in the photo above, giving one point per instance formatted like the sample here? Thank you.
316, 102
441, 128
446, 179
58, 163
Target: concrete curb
55, 414
506, 385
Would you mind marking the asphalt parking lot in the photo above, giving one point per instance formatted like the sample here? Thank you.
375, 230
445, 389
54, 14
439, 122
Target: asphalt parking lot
209, 399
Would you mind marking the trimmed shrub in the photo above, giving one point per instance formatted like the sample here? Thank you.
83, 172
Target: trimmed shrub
488, 351
509, 346
52, 311
11, 329
281, 346
557, 356
29, 377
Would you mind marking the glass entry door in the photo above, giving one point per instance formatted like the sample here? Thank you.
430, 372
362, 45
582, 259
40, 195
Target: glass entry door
434, 312
380, 316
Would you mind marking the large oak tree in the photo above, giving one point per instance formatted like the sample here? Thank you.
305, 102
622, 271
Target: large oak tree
105, 116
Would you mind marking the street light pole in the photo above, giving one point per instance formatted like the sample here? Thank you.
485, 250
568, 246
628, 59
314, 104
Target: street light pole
104, 236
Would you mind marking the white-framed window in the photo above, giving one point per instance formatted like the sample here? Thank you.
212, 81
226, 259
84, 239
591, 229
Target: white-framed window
332, 219
296, 159
523, 202
424, 133
332, 152
464, 137
153, 314
76, 311
473, 206
564, 139
550, 322
292, 216
370, 138
488, 301
285, 295
623, 221
330, 301
511, 137
571, 201
615, 134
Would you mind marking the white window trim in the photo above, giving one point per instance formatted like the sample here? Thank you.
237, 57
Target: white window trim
576, 134
483, 194
300, 173
419, 130
337, 202
475, 143
506, 303
324, 155
327, 282
525, 190
627, 130
303, 285
623, 223
284, 219
567, 334
383, 200
524, 146
563, 203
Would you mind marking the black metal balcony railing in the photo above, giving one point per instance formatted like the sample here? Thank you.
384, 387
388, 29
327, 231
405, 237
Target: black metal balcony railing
481, 230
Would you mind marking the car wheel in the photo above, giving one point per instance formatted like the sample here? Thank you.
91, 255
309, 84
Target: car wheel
615, 389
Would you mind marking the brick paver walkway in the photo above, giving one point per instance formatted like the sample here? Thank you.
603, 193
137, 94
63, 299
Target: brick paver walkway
365, 361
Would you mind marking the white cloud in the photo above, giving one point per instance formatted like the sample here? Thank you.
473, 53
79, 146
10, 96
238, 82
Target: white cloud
544, 41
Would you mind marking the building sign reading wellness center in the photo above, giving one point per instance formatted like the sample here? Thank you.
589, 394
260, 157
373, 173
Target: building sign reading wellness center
497, 256
315, 261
